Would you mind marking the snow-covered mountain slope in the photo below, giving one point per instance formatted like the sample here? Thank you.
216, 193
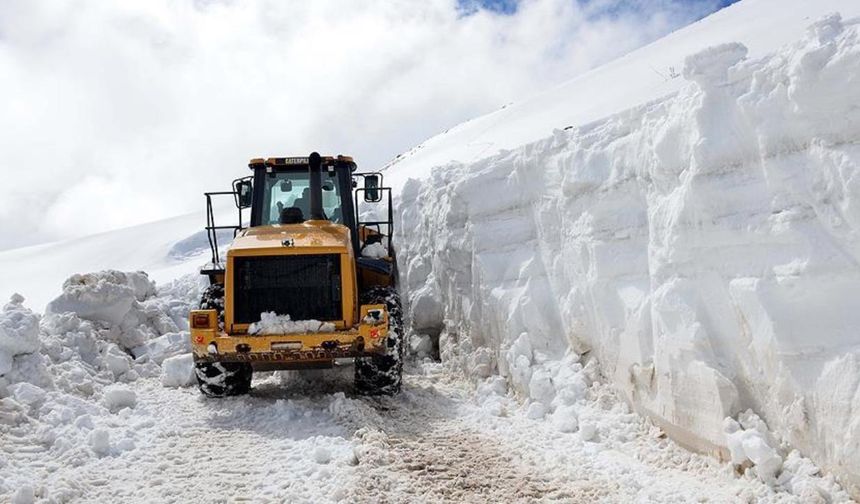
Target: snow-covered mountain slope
165, 249
699, 236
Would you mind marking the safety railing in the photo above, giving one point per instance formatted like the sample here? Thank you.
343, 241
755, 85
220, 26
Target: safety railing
376, 225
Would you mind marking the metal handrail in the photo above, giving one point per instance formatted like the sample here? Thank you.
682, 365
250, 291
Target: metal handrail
212, 229
389, 223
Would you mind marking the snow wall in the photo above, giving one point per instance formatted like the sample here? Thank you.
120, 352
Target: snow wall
705, 248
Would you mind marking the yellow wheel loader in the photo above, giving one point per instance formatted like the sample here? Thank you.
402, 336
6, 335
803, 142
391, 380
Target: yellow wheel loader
305, 281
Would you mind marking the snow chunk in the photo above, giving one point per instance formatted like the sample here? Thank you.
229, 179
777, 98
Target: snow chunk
541, 388
271, 323
427, 310
27, 393
25, 495
117, 397
569, 381
100, 441
116, 361
519, 360
374, 250
491, 395
495, 406
750, 442
125, 444
178, 371
587, 431
106, 295
322, 455
536, 411
481, 362
122, 304
19, 332
371, 447
565, 418
162, 347
712, 64
421, 345
827, 27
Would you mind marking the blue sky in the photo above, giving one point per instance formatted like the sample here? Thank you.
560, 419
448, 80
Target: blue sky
510, 6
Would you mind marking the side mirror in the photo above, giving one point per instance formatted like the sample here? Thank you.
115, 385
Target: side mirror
371, 189
286, 186
244, 193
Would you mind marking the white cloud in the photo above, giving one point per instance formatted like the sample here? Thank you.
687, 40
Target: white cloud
125, 112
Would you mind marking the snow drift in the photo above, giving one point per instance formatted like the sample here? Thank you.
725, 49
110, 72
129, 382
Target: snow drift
704, 247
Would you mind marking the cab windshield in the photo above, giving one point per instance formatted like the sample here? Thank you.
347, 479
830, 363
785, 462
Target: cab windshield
291, 189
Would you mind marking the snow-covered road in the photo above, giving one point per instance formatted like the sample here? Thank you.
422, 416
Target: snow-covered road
441, 446
305, 438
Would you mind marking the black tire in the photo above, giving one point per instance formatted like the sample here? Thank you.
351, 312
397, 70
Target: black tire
219, 379
382, 374
212, 298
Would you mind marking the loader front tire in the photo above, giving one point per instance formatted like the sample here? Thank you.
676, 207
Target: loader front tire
212, 298
220, 379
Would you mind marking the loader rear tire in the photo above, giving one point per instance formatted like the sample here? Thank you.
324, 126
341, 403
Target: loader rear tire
381, 374
220, 379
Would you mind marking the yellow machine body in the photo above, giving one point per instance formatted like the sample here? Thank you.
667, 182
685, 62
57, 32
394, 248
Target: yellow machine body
363, 329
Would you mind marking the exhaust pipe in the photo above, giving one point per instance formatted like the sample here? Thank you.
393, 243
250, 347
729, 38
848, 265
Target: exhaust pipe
315, 167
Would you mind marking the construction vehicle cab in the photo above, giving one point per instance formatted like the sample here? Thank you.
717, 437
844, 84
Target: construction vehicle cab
305, 282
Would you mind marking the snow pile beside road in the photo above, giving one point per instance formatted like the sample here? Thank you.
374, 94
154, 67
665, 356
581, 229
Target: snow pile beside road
67, 381
105, 327
586, 415
705, 247
758, 454
113, 299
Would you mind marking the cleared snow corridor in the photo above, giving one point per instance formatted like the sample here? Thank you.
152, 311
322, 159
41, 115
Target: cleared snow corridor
629, 263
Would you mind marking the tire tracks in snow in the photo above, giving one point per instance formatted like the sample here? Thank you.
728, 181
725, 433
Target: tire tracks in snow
432, 455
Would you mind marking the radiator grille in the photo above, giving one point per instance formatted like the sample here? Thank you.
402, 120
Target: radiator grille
301, 286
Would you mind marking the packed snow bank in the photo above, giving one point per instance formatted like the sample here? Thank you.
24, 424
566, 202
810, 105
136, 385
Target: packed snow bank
107, 295
114, 298
705, 247
105, 327
65, 376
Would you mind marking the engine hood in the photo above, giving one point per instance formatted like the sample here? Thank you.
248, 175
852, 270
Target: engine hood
307, 237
